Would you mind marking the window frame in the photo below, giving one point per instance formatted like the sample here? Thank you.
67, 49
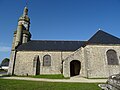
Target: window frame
47, 60
112, 57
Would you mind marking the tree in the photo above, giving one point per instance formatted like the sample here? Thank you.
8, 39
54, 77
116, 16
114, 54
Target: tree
5, 62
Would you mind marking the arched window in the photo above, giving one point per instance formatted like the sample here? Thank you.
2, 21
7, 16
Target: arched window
47, 60
112, 57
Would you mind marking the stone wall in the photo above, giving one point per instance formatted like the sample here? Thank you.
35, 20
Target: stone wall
77, 55
93, 60
24, 62
97, 61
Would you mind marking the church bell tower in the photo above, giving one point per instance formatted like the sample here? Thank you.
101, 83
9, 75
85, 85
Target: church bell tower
21, 35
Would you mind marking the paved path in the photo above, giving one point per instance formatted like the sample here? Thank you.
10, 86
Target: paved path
81, 80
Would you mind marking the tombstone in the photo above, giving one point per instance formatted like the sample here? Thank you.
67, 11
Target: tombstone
113, 83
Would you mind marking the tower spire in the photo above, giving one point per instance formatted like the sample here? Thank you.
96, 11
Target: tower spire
25, 12
25, 21
25, 18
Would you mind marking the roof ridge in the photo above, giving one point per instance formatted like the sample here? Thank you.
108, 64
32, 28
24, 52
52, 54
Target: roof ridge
59, 40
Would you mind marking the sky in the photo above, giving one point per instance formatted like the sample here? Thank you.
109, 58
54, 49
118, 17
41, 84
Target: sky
58, 20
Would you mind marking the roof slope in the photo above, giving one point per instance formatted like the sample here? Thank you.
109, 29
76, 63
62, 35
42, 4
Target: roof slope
42, 45
102, 37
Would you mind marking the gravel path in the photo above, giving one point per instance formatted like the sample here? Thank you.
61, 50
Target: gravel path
81, 80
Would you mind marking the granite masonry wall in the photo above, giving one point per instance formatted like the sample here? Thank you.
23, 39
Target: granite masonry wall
97, 64
93, 60
77, 55
24, 62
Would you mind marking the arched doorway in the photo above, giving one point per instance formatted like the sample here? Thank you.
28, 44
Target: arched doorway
75, 67
36, 65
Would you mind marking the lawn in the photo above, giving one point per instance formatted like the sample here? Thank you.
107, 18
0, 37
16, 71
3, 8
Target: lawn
37, 85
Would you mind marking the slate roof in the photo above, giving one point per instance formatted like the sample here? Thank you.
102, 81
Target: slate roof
48, 45
102, 37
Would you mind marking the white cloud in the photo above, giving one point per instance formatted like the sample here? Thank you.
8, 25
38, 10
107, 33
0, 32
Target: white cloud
5, 49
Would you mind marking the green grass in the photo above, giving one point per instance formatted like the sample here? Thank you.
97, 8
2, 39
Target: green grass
36, 85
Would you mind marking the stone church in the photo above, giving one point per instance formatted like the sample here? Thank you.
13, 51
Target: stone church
99, 57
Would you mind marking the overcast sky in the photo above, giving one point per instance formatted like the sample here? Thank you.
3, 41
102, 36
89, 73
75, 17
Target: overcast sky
59, 19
